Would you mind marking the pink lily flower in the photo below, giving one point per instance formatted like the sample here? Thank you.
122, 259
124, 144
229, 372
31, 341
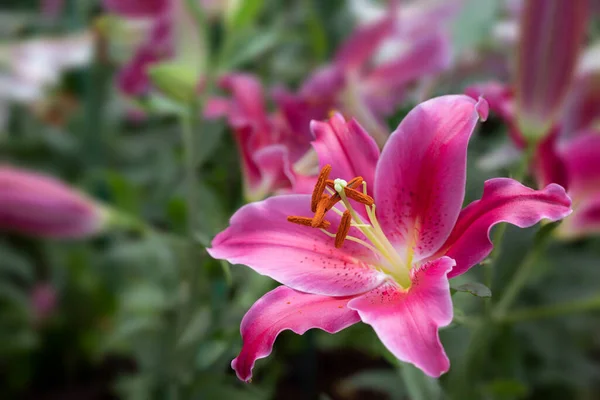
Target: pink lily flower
133, 78
569, 152
381, 252
372, 70
269, 145
172, 34
38, 205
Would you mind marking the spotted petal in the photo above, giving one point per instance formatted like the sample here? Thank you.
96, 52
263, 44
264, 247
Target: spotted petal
420, 177
282, 309
300, 257
407, 322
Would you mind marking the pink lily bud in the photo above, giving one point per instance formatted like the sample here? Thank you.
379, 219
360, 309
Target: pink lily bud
552, 32
40, 205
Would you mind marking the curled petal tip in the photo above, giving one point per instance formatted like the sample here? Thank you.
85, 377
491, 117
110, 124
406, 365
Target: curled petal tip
562, 196
483, 108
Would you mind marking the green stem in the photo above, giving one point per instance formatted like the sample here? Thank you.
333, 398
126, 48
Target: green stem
554, 310
524, 271
482, 333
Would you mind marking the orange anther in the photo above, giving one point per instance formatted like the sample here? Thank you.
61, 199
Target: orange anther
359, 196
319, 187
307, 221
355, 182
321, 210
343, 229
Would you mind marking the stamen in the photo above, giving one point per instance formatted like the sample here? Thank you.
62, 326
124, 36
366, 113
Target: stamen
332, 201
319, 187
354, 183
343, 229
307, 221
320, 212
358, 196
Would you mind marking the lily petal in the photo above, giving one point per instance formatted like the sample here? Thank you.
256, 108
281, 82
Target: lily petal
347, 147
552, 32
582, 160
407, 322
503, 200
548, 165
500, 97
420, 177
422, 57
584, 221
247, 106
136, 8
282, 309
302, 258
364, 42
582, 107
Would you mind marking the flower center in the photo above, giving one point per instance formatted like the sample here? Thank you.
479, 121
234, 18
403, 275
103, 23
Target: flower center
388, 259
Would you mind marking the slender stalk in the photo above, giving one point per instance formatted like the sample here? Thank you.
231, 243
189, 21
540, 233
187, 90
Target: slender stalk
482, 333
554, 310
524, 271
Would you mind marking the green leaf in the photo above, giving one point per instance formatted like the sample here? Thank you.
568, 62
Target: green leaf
250, 49
178, 81
474, 288
196, 329
506, 389
418, 385
384, 381
209, 352
242, 13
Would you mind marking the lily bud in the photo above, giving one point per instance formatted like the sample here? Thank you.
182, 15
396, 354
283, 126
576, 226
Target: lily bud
39, 205
552, 32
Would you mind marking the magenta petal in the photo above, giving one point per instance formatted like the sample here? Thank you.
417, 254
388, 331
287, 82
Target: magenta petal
548, 165
424, 56
500, 97
552, 32
300, 257
407, 322
361, 45
582, 107
420, 177
247, 106
582, 160
503, 200
275, 171
585, 220
285, 308
347, 147
136, 8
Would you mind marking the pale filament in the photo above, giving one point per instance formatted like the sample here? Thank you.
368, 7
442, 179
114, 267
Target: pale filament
380, 244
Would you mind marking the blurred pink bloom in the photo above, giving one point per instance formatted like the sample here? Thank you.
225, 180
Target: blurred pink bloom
43, 301
133, 78
268, 145
39, 205
569, 154
371, 72
551, 35
387, 267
